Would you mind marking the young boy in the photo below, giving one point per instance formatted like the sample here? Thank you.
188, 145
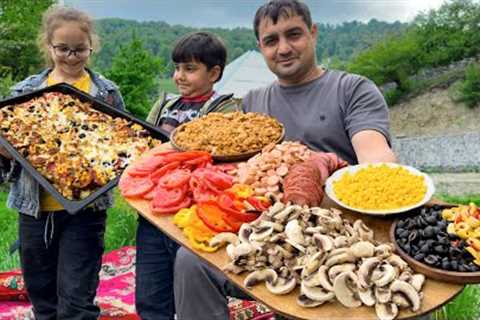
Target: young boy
199, 62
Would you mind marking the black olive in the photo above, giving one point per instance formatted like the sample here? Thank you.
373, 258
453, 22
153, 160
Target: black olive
407, 248
462, 268
440, 249
58, 142
419, 256
431, 259
403, 234
122, 154
84, 127
424, 211
81, 135
442, 224
413, 236
432, 220
425, 248
94, 126
71, 104
436, 207
401, 224
446, 265
428, 232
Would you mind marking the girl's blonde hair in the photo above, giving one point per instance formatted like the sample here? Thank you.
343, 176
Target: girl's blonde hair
53, 19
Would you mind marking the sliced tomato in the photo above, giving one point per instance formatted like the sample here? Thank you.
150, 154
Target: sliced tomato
136, 186
175, 178
168, 197
225, 167
201, 195
149, 195
157, 174
185, 203
212, 216
221, 180
146, 166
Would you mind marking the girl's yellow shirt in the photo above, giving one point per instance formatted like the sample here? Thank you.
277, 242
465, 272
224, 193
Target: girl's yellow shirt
47, 202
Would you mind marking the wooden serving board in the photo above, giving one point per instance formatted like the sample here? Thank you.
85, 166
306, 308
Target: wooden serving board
436, 293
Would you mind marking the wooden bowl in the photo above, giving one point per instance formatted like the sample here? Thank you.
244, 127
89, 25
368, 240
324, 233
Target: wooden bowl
430, 272
227, 158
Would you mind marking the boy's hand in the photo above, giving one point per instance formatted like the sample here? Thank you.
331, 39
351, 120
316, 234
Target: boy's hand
5, 153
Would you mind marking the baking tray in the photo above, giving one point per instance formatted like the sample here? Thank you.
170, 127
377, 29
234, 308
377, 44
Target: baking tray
73, 206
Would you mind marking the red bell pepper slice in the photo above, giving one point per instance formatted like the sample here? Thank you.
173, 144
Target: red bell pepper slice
212, 217
227, 205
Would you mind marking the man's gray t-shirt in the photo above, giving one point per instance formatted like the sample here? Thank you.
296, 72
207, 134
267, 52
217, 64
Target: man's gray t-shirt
326, 112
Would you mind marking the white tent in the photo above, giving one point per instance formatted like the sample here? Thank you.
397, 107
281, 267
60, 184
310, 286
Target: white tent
247, 72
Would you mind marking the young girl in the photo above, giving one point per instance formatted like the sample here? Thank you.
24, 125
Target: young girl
60, 253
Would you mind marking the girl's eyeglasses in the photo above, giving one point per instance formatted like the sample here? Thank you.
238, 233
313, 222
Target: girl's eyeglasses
62, 51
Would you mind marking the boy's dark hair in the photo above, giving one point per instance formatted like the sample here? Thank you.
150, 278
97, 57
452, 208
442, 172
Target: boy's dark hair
274, 9
203, 47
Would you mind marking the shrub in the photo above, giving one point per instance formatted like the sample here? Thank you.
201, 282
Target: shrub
470, 88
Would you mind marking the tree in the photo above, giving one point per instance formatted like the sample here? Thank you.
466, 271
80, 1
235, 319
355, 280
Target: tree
136, 71
450, 33
20, 21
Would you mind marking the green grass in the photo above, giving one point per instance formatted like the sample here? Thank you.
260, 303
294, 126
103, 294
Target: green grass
121, 228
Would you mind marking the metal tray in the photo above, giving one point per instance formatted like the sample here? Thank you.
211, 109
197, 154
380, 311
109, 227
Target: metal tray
73, 206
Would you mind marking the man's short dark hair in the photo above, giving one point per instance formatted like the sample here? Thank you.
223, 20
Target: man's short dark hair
274, 9
203, 47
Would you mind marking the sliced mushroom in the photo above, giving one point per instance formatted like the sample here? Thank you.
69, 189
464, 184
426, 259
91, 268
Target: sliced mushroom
276, 226
383, 251
275, 208
294, 233
345, 289
397, 262
409, 292
313, 263
224, 238
383, 294
320, 278
323, 242
282, 285
386, 274
363, 249
261, 234
400, 300
334, 271
340, 259
305, 302
296, 245
365, 272
245, 232
231, 267
256, 277
285, 213
366, 296
417, 281
243, 249
316, 230
341, 242
364, 232
316, 293
386, 311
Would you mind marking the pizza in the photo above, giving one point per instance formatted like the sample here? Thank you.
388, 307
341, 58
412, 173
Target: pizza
75, 147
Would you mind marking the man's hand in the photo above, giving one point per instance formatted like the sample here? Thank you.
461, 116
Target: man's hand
371, 146
5, 153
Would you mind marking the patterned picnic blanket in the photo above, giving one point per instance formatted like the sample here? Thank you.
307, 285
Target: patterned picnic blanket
115, 295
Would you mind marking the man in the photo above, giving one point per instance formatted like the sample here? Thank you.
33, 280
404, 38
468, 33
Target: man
327, 110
